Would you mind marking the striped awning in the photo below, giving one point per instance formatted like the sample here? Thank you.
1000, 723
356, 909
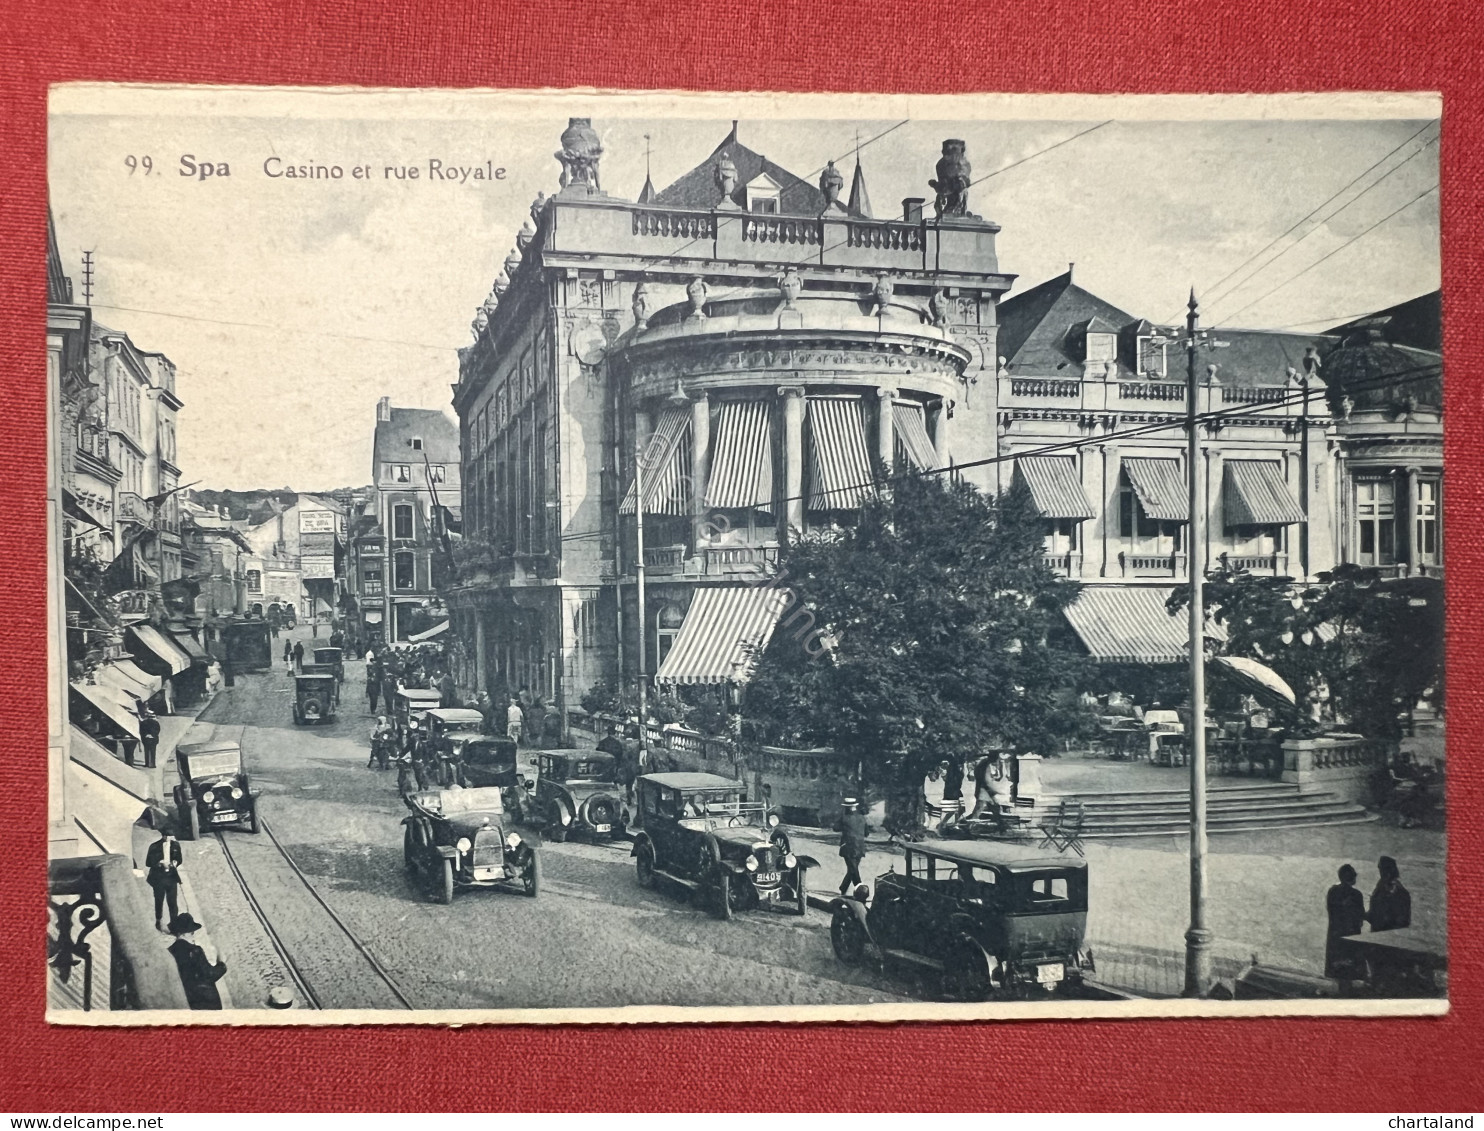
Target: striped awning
187, 644
1128, 624
1255, 494
437, 630
110, 704
1054, 486
665, 462
724, 632
913, 445
1160, 486
741, 457
161, 647
839, 466
127, 676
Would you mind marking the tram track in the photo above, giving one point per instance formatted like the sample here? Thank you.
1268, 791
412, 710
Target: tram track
295, 968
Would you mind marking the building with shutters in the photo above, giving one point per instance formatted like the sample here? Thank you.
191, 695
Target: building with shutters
743, 353
733, 357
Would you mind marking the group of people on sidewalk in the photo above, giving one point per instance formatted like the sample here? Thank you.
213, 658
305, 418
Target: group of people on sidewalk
1390, 909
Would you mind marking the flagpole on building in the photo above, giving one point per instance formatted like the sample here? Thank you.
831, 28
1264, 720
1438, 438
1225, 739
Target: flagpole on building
1198, 938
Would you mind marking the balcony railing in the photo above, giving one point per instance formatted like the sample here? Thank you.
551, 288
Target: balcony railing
678, 225
781, 229
1253, 394
664, 559
888, 237
741, 559
1275, 564
1045, 387
1151, 390
1068, 564
132, 508
1152, 565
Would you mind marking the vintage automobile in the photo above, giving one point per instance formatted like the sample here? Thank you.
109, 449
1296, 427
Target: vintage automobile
456, 838
699, 831
214, 791
981, 919
579, 793
316, 697
412, 703
444, 724
331, 659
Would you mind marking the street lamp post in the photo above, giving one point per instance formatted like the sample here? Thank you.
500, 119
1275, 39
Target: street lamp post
639, 587
1198, 937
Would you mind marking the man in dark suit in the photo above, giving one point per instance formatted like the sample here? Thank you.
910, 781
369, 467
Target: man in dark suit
162, 864
149, 736
198, 975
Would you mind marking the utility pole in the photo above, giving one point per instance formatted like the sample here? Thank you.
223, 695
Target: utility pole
87, 278
1198, 938
639, 579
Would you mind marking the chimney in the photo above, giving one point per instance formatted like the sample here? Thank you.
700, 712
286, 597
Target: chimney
912, 209
383, 410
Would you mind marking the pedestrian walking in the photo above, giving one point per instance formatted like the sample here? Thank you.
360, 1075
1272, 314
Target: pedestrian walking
198, 974
149, 736
486, 708
852, 829
513, 720
448, 690
1346, 909
299, 656
314, 626
288, 653
162, 862
1391, 903
373, 689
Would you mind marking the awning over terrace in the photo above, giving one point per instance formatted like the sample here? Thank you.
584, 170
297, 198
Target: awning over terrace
665, 466
1055, 488
724, 631
741, 457
1130, 624
109, 703
839, 467
1160, 486
161, 647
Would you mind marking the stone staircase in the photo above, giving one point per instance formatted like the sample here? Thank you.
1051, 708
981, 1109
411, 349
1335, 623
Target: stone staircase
1229, 809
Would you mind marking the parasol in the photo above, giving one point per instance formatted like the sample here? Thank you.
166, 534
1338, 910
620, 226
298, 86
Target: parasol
1257, 679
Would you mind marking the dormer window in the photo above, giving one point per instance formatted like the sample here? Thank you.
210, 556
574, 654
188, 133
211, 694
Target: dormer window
417, 443
763, 194
1151, 355
1101, 347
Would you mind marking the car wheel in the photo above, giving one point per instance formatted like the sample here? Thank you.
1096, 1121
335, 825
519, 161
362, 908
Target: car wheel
558, 831
532, 875
445, 890
193, 822
253, 823
803, 892
966, 974
848, 937
724, 909
644, 865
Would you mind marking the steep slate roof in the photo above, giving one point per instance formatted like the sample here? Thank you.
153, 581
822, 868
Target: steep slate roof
1039, 338
1036, 326
697, 189
440, 437
1418, 322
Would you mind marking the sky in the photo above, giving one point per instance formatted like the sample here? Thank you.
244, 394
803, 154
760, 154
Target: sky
290, 306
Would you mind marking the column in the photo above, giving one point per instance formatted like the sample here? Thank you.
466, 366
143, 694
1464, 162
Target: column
885, 430
793, 456
940, 430
1109, 518
1407, 521
700, 452
480, 674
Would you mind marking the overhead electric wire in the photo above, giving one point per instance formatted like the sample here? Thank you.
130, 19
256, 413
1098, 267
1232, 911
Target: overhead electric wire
1299, 274
1215, 293
1180, 423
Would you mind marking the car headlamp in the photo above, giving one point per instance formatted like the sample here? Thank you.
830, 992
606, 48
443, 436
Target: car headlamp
790, 861
772, 820
463, 844
236, 792
512, 840
208, 797
752, 864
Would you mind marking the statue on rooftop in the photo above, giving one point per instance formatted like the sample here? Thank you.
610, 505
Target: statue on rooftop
579, 154
726, 176
952, 184
831, 182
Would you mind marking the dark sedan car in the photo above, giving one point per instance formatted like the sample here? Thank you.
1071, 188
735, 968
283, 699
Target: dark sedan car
457, 838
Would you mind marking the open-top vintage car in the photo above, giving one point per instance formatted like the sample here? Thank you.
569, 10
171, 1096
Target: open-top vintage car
214, 791
700, 831
457, 838
331, 659
412, 703
579, 792
316, 697
979, 918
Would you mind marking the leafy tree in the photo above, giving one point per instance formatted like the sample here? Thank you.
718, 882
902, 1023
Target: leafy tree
916, 634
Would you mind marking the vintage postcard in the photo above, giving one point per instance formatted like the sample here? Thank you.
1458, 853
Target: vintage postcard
559, 556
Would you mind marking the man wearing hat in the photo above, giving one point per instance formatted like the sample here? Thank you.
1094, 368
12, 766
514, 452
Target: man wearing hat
198, 976
162, 863
852, 828
149, 735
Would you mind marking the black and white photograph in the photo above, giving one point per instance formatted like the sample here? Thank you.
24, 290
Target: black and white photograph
577, 556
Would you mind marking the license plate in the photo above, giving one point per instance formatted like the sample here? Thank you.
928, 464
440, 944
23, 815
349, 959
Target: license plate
218, 818
1055, 972
761, 878
489, 872
602, 828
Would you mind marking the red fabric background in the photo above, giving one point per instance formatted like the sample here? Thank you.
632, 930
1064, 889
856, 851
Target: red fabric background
1120, 45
